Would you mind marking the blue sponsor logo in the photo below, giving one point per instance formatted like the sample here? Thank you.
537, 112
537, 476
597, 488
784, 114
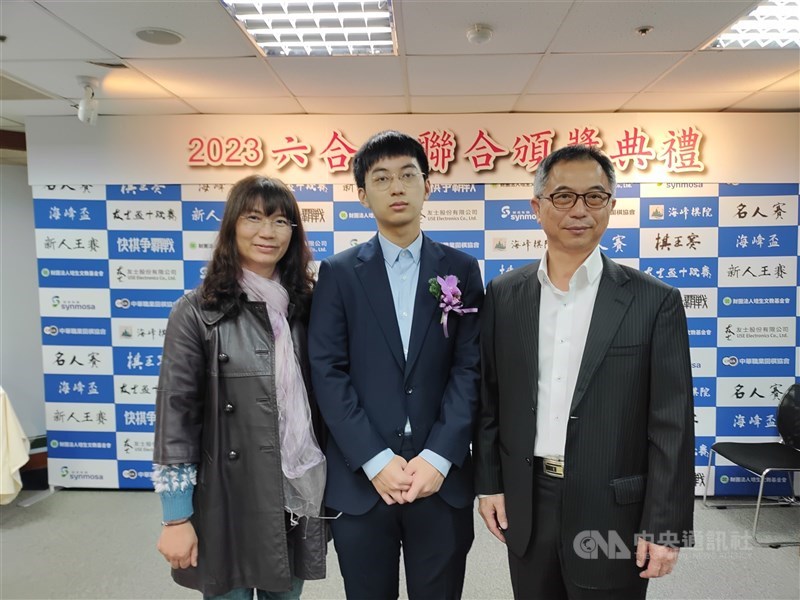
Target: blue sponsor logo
69, 273
145, 191
735, 481
145, 304
757, 302
81, 444
135, 417
457, 191
69, 214
135, 474
704, 390
755, 362
320, 243
702, 449
76, 331
682, 272
627, 190
78, 388
747, 420
470, 242
202, 216
510, 214
145, 245
353, 216
620, 243
136, 361
758, 189
679, 212
758, 241
194, 271
494, 268
702, 332
305, 192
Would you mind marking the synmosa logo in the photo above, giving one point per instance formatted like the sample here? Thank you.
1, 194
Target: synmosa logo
79, 475
69, 305
516, 215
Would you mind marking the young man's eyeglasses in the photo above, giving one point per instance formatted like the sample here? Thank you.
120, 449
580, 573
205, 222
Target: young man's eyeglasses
279, 224
382, 180
566, 200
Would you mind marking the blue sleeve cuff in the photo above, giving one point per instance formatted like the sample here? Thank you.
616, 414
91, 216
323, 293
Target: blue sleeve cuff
175, 487
376, 464
440, 464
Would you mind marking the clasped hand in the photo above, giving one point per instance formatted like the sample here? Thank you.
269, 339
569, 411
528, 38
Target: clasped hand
401, 481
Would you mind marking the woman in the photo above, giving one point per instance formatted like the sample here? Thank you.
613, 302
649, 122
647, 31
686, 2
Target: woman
238, 467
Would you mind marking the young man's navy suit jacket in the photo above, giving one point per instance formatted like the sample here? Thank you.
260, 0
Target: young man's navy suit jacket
366, 388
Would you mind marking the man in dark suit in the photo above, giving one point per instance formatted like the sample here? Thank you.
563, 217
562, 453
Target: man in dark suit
397, 387
584, 441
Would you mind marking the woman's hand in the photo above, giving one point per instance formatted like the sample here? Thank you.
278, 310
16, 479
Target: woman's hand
178, 544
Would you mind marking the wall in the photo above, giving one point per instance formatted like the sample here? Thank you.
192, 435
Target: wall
20, 333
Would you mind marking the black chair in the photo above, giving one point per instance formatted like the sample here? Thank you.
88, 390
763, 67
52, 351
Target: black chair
763, 458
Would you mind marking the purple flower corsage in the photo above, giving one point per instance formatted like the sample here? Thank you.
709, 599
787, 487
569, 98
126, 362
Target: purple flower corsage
445, 290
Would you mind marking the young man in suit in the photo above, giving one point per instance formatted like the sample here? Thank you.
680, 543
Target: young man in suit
397, 388
585, 430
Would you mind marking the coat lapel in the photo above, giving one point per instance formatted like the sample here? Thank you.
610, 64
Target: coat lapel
529, 295
432, 263
371, 271
610, 306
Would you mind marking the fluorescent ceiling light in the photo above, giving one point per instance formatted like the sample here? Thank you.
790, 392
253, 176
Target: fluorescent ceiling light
317, 28
771, 24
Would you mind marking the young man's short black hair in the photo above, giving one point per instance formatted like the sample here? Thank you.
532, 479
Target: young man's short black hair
387, 144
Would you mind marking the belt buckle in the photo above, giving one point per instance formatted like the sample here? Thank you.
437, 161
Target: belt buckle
554, 467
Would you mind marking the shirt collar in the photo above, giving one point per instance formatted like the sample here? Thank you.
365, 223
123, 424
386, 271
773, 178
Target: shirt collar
392, 251
588, 273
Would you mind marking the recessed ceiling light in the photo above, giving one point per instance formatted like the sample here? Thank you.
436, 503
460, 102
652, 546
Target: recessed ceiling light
158, 36
317, 28
771, 24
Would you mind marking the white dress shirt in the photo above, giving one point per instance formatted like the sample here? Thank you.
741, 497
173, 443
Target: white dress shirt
564, 319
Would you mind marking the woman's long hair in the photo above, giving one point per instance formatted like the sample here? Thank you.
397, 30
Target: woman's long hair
220, 289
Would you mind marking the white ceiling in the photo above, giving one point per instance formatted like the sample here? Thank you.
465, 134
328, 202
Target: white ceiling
545, 56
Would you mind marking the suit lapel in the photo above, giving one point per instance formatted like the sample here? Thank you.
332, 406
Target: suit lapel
610, 306
432, 263
371, 271
529, 294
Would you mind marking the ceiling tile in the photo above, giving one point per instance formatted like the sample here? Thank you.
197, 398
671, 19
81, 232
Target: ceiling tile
769, 101
675, 102
462, 104
206, 27
375, 105
59, 77
246, 106
213, 77
321, 76
729, 71
571, 102
144, 106
611, 26
17, 110
9, 123
594, 73
34, 34
457, 75
787, 84
441, 27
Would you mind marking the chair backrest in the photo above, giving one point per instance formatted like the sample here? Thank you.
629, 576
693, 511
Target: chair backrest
789, 417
